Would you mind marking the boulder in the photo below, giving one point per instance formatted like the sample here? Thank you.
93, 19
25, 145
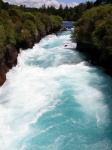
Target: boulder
63, 28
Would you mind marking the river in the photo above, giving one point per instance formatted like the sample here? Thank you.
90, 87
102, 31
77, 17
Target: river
55, 100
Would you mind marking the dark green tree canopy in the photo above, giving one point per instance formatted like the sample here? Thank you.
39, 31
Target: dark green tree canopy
95, 27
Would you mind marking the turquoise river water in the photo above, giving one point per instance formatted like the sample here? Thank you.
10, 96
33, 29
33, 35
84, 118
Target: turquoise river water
55, 100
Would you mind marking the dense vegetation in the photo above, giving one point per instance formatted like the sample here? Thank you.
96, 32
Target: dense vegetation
95, 27
16, 26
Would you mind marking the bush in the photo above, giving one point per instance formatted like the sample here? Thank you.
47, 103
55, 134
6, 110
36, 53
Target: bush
2, 39
29, 25
95, 27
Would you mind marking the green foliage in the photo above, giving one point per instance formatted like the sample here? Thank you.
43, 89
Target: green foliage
16, 25
2, 33
15, 12
0, 4
2, 39
10, 32
39, 25
28, 16
44, 19
56, 21
29, 25
95, 27
4, 17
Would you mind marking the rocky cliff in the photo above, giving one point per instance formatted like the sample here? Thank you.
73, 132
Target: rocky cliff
9, 59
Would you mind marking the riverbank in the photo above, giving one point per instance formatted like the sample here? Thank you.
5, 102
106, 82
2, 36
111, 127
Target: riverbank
9, 59
98, 57
21, 29
93, 35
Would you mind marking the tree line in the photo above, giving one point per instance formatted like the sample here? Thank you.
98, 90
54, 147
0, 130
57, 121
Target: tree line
67, 13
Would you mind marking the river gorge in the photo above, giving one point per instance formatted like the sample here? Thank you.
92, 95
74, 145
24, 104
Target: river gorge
54, 99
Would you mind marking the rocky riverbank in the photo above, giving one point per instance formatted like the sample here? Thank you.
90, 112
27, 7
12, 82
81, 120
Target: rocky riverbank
9, 59
98, 57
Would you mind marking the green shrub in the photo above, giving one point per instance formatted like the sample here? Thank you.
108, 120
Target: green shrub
95, 27
2, 39
29, 25
28, 16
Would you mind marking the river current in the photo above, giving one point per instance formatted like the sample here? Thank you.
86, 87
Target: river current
55, 100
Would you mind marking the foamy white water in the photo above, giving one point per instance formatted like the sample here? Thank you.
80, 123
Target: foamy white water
54, 100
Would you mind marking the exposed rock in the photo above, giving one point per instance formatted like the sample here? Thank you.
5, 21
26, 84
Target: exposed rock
2, 75
3, 71
63, 29
37, 37
7, 61
11, 56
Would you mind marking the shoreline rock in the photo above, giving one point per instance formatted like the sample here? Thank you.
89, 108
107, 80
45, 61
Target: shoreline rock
63, 29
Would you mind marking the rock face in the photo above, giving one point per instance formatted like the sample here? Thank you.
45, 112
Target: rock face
7, 62
10, 57
98, 57
3, 71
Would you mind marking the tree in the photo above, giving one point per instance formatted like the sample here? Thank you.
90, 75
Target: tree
99, 2
0, 4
